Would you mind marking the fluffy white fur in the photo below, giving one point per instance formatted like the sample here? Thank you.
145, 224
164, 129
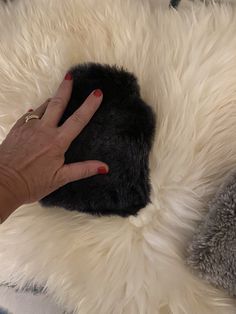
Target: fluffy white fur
186, 65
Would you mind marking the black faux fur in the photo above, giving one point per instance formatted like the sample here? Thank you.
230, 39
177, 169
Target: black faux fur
120, 134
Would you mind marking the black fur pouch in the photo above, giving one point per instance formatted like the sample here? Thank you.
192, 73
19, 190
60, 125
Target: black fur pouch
120, 134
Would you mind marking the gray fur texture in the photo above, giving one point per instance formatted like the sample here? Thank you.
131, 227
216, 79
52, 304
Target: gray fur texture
212, 253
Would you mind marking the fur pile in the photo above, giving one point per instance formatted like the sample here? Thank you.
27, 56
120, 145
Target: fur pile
185, 62
212, 253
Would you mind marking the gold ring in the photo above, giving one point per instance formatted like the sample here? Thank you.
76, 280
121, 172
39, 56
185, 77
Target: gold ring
30, 117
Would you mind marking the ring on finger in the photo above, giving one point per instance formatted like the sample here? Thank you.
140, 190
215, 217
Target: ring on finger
30, 117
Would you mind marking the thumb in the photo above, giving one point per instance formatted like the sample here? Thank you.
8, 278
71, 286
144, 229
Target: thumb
81, 170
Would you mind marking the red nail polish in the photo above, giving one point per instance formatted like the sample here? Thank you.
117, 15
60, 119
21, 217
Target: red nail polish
102, 170
68, 76
97, 93
30, 110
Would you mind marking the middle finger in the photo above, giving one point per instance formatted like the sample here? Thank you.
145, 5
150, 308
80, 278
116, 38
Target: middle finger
80, 118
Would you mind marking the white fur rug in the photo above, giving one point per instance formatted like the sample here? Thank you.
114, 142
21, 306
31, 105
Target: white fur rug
186, 65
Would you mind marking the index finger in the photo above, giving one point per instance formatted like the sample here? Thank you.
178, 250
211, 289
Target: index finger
58, 103
80, 118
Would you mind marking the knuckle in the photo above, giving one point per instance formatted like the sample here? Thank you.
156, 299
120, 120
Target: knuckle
79, 118
86, 172
56, 101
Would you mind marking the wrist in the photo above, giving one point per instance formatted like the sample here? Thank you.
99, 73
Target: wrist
8, 204
10, 198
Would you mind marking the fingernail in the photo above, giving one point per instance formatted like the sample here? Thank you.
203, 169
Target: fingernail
68, 76
97, 93
102, 170
30, 110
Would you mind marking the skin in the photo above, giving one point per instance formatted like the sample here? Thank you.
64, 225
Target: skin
32, 155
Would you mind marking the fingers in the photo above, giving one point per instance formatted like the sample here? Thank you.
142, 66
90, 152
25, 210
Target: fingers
81, 170
58, 103
80, 118
52, 110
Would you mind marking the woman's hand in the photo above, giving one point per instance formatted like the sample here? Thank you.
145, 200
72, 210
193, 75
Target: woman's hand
32, 155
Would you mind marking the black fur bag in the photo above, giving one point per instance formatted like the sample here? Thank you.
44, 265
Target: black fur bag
120, 134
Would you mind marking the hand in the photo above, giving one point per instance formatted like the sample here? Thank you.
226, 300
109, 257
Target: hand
32, 155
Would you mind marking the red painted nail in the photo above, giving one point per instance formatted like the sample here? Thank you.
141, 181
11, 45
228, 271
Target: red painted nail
68, 76
97, 93
30, 110
102, 170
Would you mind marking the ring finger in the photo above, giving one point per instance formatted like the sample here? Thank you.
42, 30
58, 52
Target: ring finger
38, 112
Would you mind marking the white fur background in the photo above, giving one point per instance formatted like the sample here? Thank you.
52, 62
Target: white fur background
186, 65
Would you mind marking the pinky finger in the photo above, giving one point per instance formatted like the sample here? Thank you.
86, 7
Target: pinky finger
81, 170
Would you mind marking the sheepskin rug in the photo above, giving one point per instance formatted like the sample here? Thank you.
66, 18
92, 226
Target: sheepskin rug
185, 62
